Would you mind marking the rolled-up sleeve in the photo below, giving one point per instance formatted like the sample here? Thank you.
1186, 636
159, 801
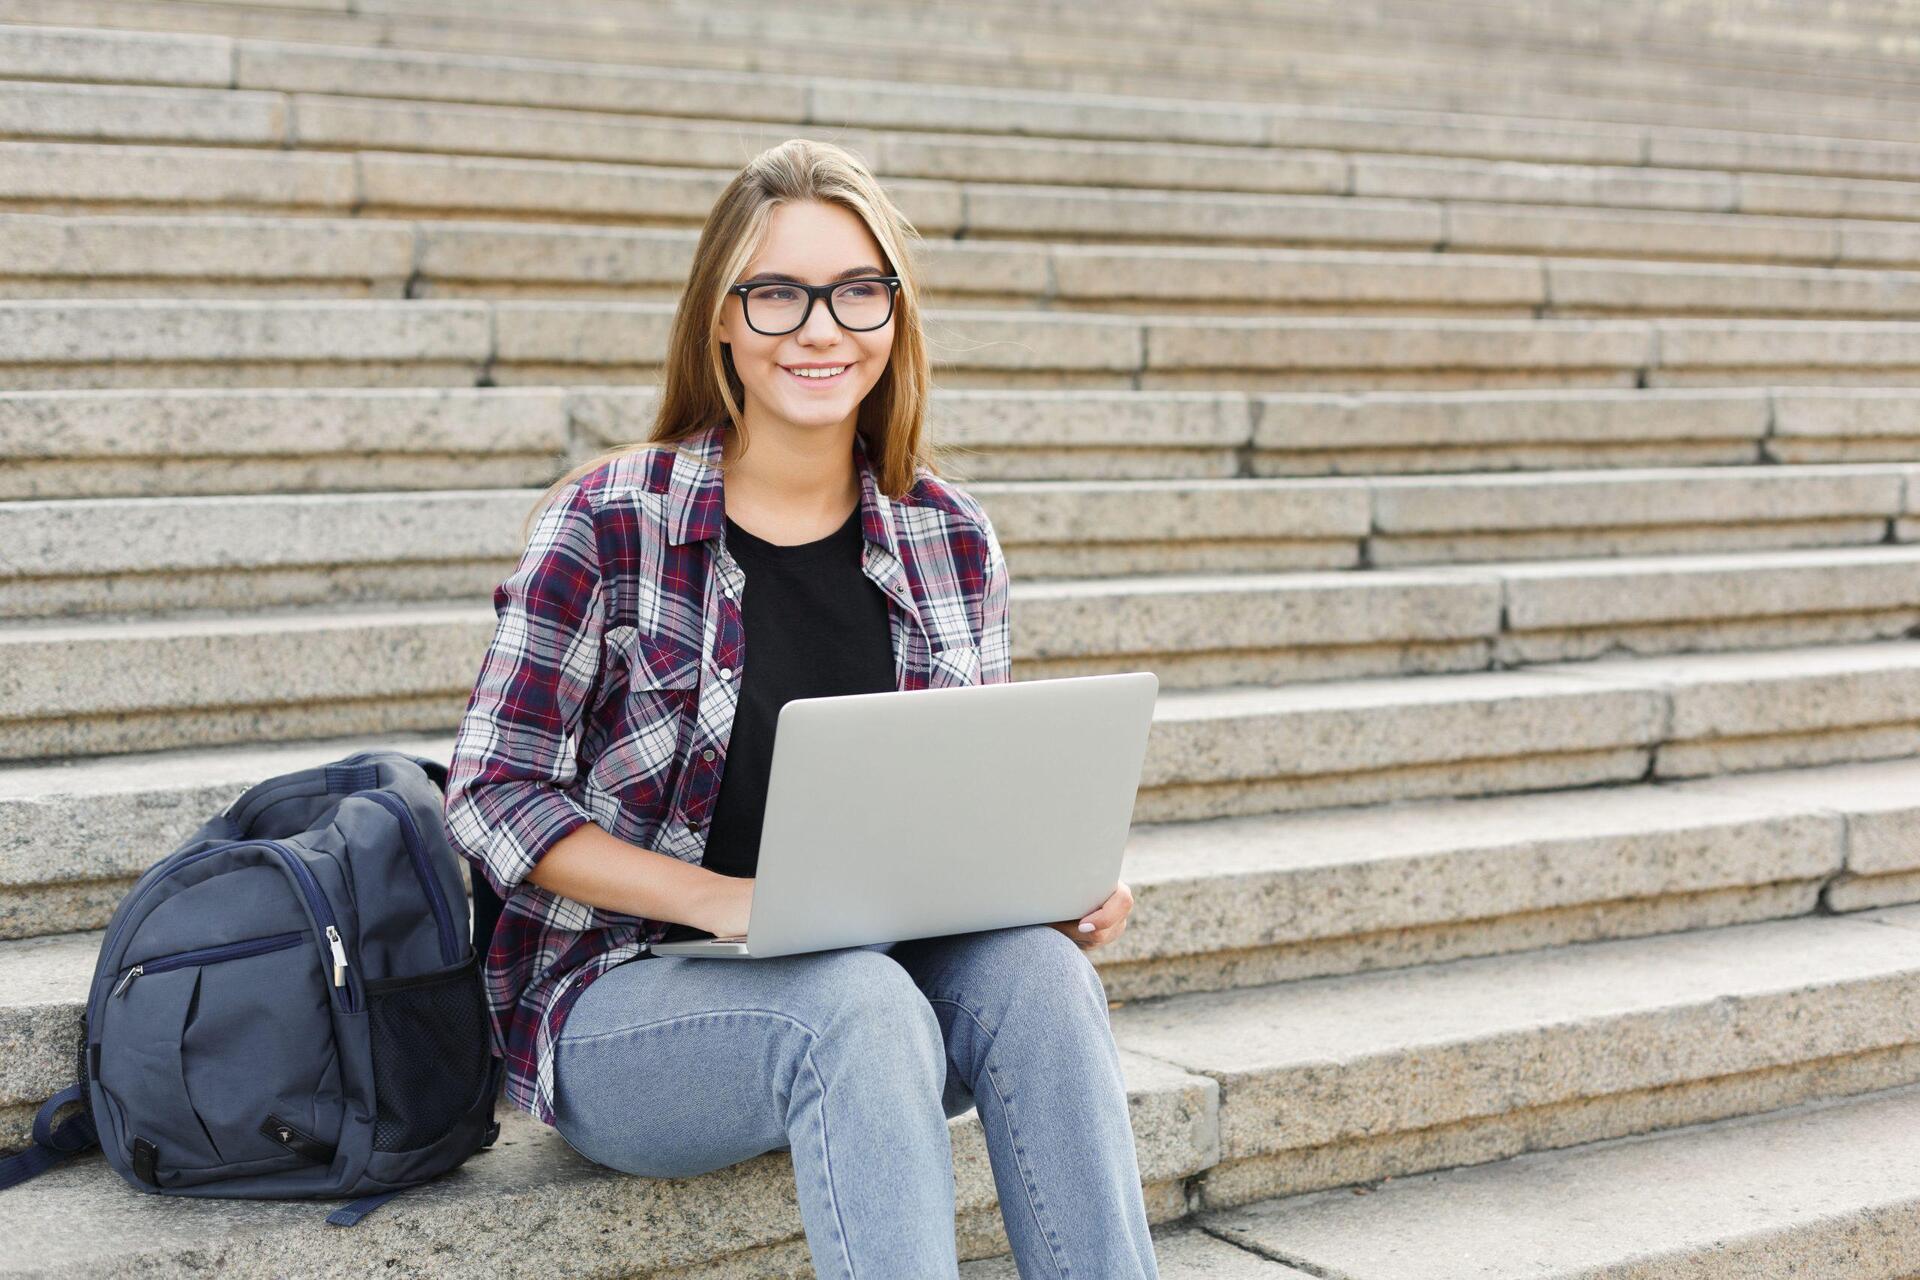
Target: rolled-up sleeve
996, 649
516, 749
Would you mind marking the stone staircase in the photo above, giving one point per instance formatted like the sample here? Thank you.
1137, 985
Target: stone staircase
1498, 426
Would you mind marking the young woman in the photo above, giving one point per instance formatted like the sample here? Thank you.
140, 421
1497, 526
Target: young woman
609, 776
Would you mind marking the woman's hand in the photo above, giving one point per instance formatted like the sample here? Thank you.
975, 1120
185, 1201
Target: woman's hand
1109, 920
729, 903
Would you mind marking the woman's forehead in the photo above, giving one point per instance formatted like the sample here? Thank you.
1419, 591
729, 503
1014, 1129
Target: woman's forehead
816, 241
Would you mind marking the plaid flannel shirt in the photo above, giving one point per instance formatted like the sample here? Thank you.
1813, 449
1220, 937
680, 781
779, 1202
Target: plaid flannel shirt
607, 695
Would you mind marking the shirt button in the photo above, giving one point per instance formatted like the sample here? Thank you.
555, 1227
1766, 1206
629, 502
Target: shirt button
706, 755
727, 592
726, 673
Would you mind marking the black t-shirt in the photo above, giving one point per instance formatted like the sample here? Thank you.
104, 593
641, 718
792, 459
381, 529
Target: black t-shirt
815, 626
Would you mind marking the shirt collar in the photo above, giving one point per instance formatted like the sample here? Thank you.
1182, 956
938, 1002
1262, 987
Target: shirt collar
696, 506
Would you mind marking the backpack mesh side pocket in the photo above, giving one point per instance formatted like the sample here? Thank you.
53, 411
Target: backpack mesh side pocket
431, 1050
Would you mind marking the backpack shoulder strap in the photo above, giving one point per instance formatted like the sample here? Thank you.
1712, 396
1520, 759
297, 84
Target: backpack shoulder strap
50, 1144
348, 1215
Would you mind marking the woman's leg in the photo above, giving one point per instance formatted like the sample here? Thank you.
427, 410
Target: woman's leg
1024, 1014
671, 1066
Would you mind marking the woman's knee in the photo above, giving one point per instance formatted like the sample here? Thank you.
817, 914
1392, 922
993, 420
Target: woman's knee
867, 996
1037, 970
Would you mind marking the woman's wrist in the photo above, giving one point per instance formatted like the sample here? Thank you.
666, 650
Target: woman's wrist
710, 902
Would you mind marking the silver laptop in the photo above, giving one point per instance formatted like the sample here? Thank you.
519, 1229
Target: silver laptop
904, 815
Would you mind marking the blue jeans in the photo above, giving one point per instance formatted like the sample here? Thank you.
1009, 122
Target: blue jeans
853, 1060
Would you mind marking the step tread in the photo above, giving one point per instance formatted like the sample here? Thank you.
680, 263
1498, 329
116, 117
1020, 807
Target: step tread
1614, 672
256, 176
228, 770
1829, 1190
1270, 609
1324, 1022
169, 245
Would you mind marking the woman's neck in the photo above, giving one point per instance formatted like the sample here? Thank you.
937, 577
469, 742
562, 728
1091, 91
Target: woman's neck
795, 484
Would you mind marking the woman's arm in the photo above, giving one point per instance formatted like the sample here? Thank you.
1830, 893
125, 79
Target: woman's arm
514, 753
588, 865
508, 809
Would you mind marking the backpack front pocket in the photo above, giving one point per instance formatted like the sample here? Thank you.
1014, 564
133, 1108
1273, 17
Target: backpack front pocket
210, 1054
142, 1073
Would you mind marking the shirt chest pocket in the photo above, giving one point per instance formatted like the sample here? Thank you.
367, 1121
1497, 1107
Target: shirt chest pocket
652, 688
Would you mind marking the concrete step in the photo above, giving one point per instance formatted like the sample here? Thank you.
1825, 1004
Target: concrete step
1463, 518
1317, 198
174, 442
1236, 1097
1332, 1081
1190, 54
184, 255
1425, 77
177, 558
1052, 530
1213, 753
1827, 1191
909, 130
80, 344
1306, 433
1234, 901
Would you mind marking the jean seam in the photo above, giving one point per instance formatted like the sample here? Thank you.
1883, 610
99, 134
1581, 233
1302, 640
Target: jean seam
1026, 1174
826, 1159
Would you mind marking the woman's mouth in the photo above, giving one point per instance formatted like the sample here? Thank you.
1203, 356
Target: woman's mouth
819, 377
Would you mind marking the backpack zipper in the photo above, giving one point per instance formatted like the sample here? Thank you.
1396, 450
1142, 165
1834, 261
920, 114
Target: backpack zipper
160, 870
429, 883
322, 912
209, 955
303, 876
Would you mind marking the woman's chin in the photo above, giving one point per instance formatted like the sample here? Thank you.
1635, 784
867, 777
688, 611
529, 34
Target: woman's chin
816, 410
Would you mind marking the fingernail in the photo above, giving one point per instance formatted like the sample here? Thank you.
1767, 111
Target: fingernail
1086, 926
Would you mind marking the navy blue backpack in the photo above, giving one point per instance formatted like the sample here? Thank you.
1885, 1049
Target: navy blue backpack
289, 1005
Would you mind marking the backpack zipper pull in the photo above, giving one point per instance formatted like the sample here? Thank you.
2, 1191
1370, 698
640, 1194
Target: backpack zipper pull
339, 957
126, 979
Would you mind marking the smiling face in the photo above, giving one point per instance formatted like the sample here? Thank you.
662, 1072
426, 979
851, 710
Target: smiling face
816, 243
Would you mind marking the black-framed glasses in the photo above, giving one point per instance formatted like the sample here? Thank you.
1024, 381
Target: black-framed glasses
778, 307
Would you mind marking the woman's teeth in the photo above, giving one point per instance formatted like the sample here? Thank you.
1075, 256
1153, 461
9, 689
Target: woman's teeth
818, 375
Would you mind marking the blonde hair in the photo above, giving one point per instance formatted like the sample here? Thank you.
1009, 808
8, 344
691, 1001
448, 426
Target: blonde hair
699, 383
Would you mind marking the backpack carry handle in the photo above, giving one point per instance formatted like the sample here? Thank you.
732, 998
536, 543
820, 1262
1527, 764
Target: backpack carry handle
433, 769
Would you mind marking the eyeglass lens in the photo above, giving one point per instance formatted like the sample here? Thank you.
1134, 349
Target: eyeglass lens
858, 304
